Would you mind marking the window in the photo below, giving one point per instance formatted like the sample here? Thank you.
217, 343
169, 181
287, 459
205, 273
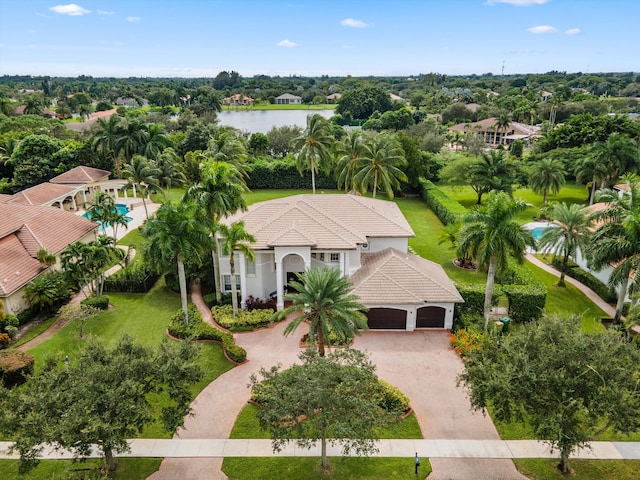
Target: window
226, 280
251, 268
335, 257
318, 256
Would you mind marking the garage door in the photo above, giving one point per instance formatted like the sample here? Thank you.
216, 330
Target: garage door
387, 318
430, 317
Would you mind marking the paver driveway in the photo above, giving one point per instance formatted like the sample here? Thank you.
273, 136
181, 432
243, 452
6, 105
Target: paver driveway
420, 363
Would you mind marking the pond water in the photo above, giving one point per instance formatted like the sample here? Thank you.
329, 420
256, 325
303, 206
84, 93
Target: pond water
262, 121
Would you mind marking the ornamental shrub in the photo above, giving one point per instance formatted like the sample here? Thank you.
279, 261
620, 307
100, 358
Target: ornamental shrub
101, 302
246, 320
604, 291
465, 341
445, 208
473, 295
393, 400
283, 174
15, 367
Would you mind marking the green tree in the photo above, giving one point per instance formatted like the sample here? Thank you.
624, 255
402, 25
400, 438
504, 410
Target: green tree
314, 147
349, 151
547, 175
379, 166
47, 291
143, 175
571, 231
617, 239
235, 238
259, 143
33, 160
156, 140
619, 153
171, 171
569, 385
33, 105
103, 210
100, 398
132, 138
490, 235
338, 396
86, 263
281, 138
590, 170
46, 258
502, 124
227, 146
78, 313
174, 235
106, 139
323, 298
361, 102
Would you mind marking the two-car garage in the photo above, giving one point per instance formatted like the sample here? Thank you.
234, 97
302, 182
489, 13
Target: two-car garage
396, 318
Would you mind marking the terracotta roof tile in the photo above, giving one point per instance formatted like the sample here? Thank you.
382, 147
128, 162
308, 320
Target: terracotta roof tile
17, 267
41, 194
80, 175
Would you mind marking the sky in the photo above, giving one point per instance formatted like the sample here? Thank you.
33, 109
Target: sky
199, 38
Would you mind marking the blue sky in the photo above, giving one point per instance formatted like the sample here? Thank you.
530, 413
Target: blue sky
192, 38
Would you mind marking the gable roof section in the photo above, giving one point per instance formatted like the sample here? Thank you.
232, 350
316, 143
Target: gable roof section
41, 194
323, 222
390, 277
80, 175
17, 267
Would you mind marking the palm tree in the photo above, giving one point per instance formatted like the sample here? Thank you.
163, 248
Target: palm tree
490, 234
85, 111
492, 171
570, 233
156, 140
235, 238
171, 171
174, 235
314, 147
86, 262
226, 146
142, 173
349, 151
324, 299
46, 258
132, 138
7, 107
106, 138
502, 123
218, 193
619, 153
33, 105
379, 166
617, 240
546, 176
104, 211
590, 170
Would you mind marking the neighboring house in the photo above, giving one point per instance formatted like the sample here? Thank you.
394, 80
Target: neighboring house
397, 98
131, 102
45, 111
366, 239
546, 95
237, 100
88, 123
287, 99
25, 229
488, 130
334, 98
473, 107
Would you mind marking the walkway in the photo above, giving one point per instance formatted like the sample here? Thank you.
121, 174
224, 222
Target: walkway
591, 295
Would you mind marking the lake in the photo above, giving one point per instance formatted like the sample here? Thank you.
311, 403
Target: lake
262, 121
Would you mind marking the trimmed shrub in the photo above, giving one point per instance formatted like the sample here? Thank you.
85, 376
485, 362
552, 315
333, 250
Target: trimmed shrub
210, 299
392, 398
473, 295
27, 314
246, 320
259, 304
445, 208
283, 174
526, 302
101, 302
15, 367
465, 341
197, 329
135, 278
604, 291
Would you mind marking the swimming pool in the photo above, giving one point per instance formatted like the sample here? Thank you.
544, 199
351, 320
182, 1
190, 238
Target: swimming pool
120, 207
538, 228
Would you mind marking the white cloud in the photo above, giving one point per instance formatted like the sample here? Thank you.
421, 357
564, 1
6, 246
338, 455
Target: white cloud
351, 22
133, 19
573, 31
287, 43
70, 9
542, 29
518, 3
106, 12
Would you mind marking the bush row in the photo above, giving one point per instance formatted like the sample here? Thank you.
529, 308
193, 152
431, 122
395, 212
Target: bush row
133, 279
245, 321
283, 174
445, 208
101, 302
605, 292
15, 367
197, 329
473, 295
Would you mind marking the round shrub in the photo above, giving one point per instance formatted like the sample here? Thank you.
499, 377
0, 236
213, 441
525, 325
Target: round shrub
101, 302
393, 400
246, 320
15, 367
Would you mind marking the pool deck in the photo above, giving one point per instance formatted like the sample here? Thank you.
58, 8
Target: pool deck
136, 214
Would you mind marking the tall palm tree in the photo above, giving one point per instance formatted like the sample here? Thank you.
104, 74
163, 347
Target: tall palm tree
235, 238
171, 171
569, 233
218, 193
492, 171
380, 166
143, 174
174, 235
547, 175
590, 170
314, 147
491, 234
617, 240
106, 138
349, 152
103, 210
155, 141
619, 153
33, 105
324, 299
227, 146
502, 123
132, 138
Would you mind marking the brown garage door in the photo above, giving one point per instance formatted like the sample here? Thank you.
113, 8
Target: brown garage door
387, 318
430, 317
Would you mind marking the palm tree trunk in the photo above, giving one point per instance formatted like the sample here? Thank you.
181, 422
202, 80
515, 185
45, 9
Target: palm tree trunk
313, 176
216, 272
592, 196
182, 279
544, 196
375, 183
565, 262
488, 293
320, 340
146, 212
621, 296
234, 294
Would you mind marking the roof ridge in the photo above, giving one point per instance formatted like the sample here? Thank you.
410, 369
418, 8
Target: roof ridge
35, 237
295, 229
430, 278
354, 232
363, 201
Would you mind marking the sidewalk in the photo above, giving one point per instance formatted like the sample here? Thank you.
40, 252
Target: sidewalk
500, 449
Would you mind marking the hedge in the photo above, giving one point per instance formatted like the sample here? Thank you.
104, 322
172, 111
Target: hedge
605, 292
101, 302
197, 329
282, 174
445, 208
133, 279
473, 296
245, 321
15, 367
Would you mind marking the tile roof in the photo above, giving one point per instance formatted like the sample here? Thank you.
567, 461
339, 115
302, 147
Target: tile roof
322, 221
80, 175
41, 194
390, 277
17, 267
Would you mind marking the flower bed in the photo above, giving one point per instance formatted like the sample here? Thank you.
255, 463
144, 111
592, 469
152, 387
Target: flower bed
245, 321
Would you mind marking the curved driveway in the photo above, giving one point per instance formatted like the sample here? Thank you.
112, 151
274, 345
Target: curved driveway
421, 364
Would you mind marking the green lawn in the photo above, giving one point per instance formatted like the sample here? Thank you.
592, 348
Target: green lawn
34, 331
127, 469
295, 468
545, 469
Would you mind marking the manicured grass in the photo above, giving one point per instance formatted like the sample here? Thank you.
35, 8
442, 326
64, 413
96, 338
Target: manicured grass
256, 196
247, 426
127, 469
545, 469
273, 106
34, 331
134, 239
295, 468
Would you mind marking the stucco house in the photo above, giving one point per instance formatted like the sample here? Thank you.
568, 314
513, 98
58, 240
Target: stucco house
366, 239
25, 229
287, 99
237, 100
492, 135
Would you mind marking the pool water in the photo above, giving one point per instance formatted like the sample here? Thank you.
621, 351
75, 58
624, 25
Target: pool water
120, 207
538, 231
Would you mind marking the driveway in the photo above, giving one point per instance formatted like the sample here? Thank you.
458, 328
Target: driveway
420, 363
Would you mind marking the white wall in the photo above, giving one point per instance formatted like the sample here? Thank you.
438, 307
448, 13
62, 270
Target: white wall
377, 244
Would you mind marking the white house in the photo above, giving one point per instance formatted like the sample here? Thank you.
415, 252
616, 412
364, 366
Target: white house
366, 239
287, 99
